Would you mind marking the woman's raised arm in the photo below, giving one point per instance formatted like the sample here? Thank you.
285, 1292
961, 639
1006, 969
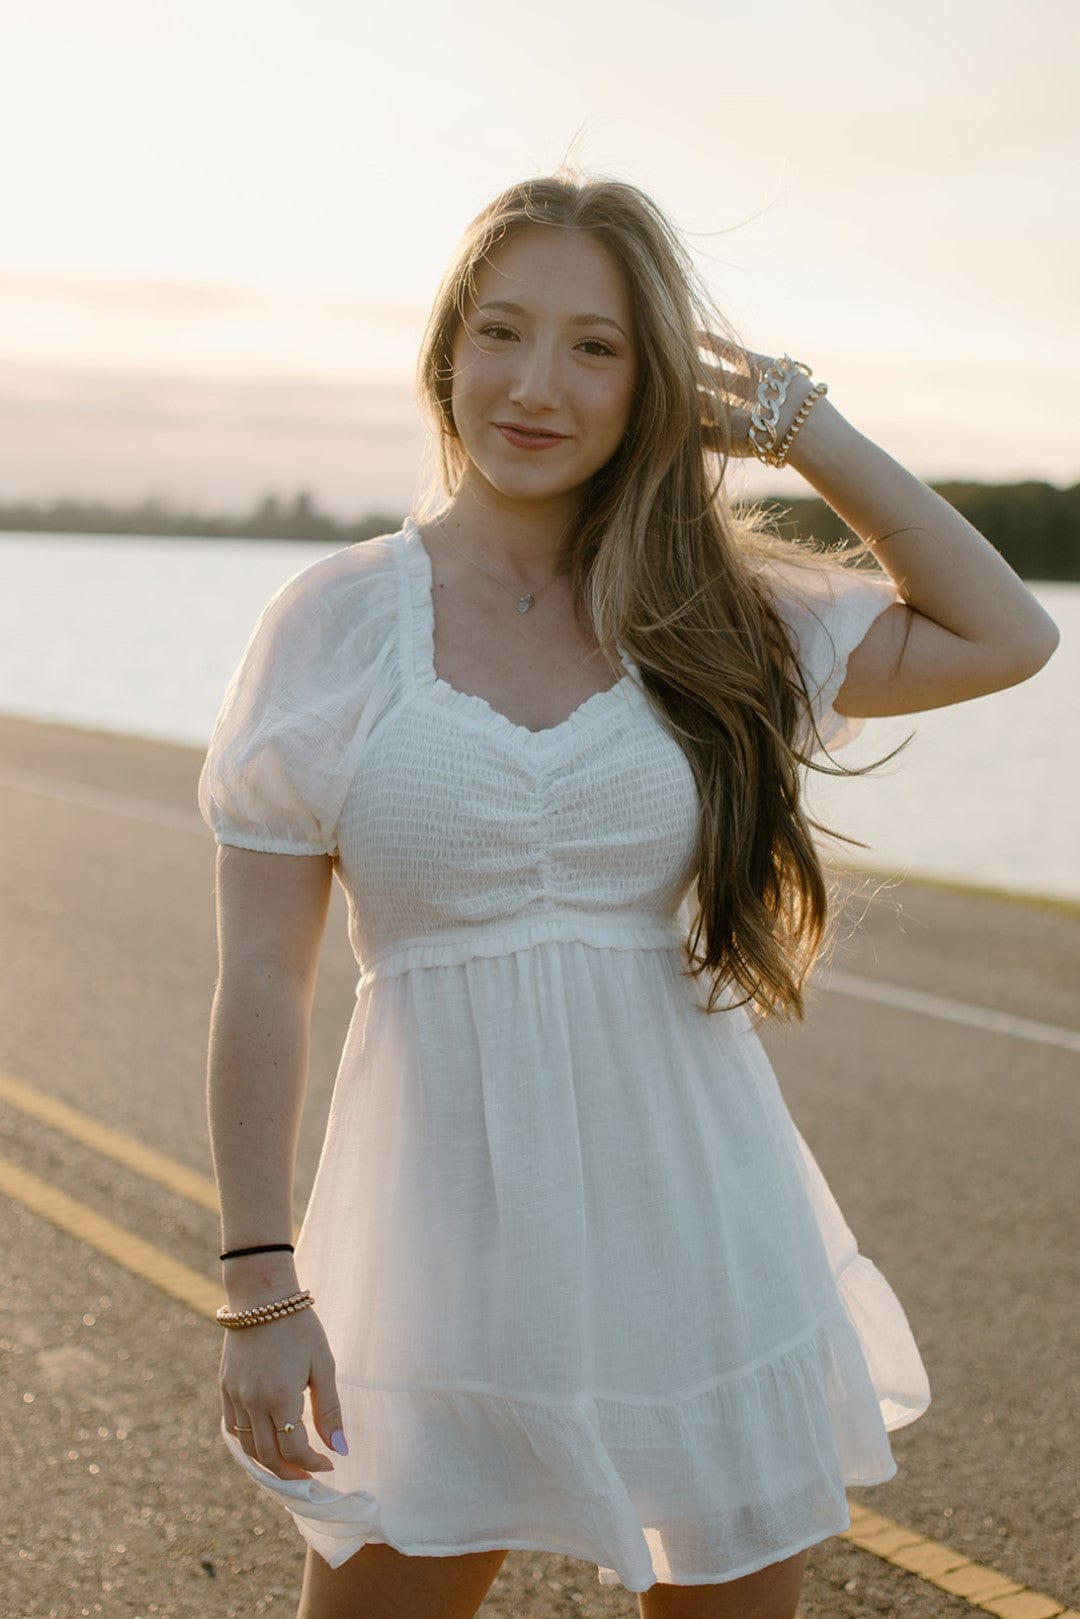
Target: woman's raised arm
967, 625
971, 626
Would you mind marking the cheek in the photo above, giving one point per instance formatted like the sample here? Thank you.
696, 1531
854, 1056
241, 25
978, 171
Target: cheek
614, 403
474, 378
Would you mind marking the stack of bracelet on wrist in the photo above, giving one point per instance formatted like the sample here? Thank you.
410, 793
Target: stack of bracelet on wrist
263, 1312
772, 391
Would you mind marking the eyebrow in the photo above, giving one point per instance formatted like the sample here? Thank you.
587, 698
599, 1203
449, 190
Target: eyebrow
575, 320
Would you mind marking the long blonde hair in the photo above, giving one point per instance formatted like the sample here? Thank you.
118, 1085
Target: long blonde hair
663, 564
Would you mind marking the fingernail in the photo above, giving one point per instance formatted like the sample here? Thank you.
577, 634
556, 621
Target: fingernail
337, 1439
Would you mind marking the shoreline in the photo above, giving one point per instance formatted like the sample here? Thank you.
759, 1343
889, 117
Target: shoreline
872, 871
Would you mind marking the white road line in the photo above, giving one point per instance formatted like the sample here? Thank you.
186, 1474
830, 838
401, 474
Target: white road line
866, 989
98, 798
939, 1006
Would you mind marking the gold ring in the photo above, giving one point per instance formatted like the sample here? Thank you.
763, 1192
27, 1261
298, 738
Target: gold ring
288, 1427
243, 1430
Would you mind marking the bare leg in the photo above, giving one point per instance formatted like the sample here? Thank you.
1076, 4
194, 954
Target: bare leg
771, 1593
381, 1583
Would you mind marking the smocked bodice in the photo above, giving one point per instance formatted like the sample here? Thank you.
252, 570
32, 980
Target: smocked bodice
464, 833
456, 831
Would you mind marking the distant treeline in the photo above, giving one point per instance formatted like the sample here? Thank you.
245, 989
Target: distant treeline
271, 519
1035, 526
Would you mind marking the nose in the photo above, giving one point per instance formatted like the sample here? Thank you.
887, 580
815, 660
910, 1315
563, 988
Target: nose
536, 385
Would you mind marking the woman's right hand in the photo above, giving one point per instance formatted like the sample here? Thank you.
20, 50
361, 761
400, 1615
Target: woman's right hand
264, 1373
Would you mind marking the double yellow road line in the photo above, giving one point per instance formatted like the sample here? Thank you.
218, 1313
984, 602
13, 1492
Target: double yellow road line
133, 1253
929, 1560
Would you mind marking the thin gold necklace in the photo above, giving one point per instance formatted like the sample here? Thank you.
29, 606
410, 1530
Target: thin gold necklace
523, 602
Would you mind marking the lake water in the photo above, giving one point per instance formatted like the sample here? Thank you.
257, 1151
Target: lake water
141, 635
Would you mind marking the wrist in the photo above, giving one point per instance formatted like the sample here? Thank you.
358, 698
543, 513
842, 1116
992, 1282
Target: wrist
799, 388
815, 444
258, 1279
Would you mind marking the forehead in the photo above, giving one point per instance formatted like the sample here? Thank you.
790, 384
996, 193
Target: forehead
550, 268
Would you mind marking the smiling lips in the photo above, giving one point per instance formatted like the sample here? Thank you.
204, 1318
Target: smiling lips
528, 438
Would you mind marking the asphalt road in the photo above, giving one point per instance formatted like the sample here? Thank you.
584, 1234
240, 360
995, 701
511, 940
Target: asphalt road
951, 1146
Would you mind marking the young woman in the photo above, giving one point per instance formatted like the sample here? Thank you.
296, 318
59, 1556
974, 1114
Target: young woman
569, 1277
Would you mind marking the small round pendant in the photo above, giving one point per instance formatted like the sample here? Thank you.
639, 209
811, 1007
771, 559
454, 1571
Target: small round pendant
524, 603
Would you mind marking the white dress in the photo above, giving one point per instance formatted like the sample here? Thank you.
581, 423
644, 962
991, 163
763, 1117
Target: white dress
586, 1288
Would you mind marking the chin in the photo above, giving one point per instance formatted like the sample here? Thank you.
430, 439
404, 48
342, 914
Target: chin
535, 490
528, 482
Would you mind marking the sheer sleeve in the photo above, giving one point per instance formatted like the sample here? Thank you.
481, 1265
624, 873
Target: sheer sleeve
827, 612
281, 755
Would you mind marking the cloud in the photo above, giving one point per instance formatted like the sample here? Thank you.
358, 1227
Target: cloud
187, 327
208, 441
176, 298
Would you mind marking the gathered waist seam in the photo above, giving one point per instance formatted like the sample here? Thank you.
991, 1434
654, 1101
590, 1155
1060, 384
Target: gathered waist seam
501, 938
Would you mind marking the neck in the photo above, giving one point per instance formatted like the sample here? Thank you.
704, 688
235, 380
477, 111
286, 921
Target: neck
526, 546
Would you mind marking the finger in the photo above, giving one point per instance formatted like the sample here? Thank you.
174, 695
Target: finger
745, 358
742, 362
325, 1407
731, 382
292, 1441
715, 419
266, 1448
715, 440
740, 435
228, 1411
228, 1408
712, 417
235, 1420
324, 1402
720, 345
244, 1429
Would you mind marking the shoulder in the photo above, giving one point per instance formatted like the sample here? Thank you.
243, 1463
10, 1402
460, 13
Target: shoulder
346, 576
821, 603
807, 584
826, 612
347, 593
337, 613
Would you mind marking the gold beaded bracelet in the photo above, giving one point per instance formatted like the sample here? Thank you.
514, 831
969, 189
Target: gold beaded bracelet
817, 392
265, 1312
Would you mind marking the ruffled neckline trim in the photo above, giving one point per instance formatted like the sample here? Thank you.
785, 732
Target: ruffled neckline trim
478, 709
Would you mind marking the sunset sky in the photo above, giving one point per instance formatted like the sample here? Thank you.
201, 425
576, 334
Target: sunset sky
223, 223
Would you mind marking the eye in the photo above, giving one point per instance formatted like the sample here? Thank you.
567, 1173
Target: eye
597, 343
486, 331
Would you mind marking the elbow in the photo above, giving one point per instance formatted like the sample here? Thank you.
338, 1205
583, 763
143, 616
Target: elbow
1040, 646
1027, 656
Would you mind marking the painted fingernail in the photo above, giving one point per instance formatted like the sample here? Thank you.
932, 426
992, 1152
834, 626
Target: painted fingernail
337, 1439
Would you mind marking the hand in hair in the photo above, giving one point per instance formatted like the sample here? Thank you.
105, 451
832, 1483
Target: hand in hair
727, 393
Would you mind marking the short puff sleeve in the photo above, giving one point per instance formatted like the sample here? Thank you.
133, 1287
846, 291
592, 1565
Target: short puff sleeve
299, 706
827, 611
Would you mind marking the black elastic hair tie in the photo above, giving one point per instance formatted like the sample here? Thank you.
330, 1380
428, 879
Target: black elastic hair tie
266, 1248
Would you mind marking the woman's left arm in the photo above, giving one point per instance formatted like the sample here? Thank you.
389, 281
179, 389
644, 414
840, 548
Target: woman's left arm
967, 625
971, 626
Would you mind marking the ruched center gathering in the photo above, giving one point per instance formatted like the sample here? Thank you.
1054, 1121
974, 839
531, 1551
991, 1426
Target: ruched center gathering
585, 1285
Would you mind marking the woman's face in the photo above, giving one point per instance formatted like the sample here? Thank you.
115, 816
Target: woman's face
547, 344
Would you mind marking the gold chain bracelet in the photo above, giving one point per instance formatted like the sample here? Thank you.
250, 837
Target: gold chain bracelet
265, 1312
771, 393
